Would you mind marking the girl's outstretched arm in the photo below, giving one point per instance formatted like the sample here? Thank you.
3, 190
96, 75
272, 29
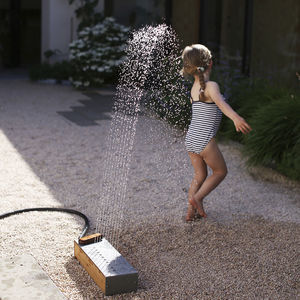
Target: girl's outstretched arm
215, 95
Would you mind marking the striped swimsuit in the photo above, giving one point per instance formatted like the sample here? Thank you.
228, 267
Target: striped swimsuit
206, 118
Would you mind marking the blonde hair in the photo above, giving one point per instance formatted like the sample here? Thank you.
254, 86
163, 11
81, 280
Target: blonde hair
196, 59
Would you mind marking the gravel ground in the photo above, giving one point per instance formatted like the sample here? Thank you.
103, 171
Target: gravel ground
247, 248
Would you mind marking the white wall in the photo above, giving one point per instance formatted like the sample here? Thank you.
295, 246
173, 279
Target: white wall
59, 24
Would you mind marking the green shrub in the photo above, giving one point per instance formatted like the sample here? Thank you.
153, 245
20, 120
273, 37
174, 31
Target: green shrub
42, 71
247, 97
97, 53
290, 162
168, 92
227, 76
176, 113
85, 12
59, 71
275, 139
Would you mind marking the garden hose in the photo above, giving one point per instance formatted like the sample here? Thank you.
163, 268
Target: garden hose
67, 210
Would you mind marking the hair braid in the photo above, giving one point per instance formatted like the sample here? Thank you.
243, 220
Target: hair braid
202, 84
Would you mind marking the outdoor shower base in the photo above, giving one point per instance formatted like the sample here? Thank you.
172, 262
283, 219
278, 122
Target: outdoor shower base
108, 268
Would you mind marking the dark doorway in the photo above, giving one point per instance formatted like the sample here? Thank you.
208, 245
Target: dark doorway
20, 33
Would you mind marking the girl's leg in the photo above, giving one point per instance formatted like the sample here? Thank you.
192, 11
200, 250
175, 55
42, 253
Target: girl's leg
200, 173
213, 157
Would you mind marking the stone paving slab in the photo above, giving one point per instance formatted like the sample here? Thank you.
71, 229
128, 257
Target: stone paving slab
23, 278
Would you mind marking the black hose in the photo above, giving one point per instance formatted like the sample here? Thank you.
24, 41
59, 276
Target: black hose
71, 211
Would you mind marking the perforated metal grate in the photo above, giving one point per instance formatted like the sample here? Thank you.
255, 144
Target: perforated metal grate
107, 259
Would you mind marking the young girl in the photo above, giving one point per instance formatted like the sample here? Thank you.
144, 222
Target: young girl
207, 107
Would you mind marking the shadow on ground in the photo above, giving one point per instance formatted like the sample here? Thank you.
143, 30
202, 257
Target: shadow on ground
96, 108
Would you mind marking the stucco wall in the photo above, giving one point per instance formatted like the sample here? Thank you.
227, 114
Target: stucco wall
123, 11
185, 20
59, 24
212, 20
232, 30
275, 39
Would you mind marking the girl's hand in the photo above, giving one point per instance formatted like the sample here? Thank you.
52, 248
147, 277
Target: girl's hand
241, 125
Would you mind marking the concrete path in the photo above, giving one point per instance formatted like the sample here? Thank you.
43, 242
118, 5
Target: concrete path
53, 149
22, 278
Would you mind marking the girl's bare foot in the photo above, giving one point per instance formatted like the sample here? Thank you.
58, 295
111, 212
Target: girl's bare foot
190, 213
198, 206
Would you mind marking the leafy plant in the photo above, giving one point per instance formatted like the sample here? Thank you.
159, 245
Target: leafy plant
85, 12
97, 53
290, 162
248, 96
59, 71
167, 91
169, 96
275, 140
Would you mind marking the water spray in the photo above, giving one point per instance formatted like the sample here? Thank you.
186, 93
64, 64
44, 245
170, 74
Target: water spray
149, 52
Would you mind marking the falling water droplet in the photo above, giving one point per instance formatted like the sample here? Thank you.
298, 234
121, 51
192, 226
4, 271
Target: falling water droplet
149, 76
